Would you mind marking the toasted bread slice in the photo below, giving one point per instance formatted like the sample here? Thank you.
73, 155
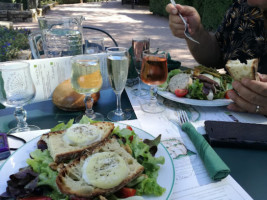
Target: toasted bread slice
180, 81
70, 179
240, 70
61, 151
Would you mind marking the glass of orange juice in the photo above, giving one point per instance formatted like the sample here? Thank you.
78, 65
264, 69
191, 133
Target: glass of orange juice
86, 79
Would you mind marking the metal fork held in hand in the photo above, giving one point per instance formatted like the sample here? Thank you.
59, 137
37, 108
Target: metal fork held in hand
182, 118
186, 32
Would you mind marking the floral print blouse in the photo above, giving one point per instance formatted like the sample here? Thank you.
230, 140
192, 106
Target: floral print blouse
242, 36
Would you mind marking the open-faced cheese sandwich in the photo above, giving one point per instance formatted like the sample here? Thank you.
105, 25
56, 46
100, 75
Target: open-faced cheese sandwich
101, 171
239, 70
73, 142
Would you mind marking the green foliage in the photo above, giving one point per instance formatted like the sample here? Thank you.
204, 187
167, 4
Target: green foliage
210, 11
11, 42
6, 1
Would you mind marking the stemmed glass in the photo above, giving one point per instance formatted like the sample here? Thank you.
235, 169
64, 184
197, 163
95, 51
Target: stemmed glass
139, 44
154, 72
16, 90
118, 65
86, 79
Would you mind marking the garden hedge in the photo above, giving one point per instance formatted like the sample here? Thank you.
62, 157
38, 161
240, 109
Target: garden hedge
210, 11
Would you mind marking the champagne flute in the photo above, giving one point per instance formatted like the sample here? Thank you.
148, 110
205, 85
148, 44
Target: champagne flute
154, 72
139, 44
16, 90
118, 65
86, 79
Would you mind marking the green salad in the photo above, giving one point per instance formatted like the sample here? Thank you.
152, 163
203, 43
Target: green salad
203, 83
143, 151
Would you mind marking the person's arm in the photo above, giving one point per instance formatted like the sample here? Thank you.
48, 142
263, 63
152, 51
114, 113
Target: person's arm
207, 52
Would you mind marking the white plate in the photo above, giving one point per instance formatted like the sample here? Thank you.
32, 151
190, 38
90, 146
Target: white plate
194, 102
18, 160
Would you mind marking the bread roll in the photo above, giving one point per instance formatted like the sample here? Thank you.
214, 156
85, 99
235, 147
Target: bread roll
65, 97
239, 70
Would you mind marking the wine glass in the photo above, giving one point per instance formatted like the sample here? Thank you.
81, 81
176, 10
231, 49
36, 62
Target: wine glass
94, 45
16, 90
139, 44
154, 72
86, 79
118, 65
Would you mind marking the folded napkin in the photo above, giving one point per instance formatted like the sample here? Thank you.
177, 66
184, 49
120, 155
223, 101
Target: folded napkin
215, 166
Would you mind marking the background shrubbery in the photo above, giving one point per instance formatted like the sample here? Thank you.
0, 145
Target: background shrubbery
12, 41
211, 11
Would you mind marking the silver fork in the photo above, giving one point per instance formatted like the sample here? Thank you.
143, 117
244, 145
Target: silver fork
186, 32
181, 118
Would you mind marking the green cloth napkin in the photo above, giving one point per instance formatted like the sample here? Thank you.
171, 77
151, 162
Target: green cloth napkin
215, 166
172, 64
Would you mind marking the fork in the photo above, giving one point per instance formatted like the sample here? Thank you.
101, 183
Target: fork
182, 118
186, 32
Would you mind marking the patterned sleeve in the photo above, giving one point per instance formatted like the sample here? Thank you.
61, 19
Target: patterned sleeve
222, 33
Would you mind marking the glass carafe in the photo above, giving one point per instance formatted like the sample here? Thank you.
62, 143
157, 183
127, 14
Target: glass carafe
58, 37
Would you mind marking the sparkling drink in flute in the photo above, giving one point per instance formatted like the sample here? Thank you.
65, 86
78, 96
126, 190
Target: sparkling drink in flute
139, 44
118, 65
86, 79
16, 90
154, 72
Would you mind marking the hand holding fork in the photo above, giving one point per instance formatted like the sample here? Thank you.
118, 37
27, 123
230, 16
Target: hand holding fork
186, 31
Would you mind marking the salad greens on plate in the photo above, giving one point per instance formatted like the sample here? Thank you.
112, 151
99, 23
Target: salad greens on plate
40, 180
207, 83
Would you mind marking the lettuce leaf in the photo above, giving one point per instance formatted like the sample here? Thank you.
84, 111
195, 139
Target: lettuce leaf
142, 153
39, 162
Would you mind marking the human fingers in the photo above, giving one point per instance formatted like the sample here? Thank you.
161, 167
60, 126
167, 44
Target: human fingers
241, 104
171, 9
263, 77
258, 87
177, 27
235, 108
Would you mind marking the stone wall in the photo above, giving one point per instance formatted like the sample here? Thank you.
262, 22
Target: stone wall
14, 13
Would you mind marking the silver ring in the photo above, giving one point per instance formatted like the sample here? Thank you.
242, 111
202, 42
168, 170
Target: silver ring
257, 109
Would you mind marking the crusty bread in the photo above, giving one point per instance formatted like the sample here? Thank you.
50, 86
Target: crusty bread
180, 81
63, 152
239, 70
70, 181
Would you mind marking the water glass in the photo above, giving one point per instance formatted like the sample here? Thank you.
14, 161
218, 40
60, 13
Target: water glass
94, 45
16, 90
86, 79
118, 65
154, 72
139, 44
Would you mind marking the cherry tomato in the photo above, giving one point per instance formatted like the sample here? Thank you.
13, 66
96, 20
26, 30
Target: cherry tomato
129, 127
181, 92
131, 138
126, 192
226, 94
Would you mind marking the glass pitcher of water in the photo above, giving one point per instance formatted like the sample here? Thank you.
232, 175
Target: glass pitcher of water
58, 37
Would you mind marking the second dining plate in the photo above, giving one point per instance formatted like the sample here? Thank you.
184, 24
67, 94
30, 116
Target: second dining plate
18, 160
194, 102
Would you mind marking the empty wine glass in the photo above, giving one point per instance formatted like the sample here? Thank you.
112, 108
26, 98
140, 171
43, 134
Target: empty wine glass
16, 90
118, 65
154, 72
86, 79
139, 44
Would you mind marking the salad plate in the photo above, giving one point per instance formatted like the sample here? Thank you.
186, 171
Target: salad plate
18, 160
194, 102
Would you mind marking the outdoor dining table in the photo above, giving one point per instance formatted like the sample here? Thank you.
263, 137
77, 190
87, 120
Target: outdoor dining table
248, 166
